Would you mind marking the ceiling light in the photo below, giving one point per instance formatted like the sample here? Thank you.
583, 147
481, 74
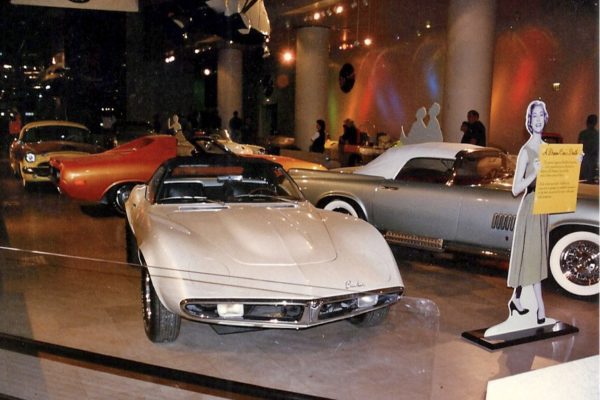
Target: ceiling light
339, 9
368, 41
287, 56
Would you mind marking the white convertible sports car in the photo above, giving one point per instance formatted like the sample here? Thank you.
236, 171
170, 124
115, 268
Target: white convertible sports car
230, 240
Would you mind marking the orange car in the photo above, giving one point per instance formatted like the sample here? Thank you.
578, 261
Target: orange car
108, 177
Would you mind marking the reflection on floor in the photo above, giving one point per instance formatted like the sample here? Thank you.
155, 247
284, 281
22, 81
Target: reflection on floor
416, 354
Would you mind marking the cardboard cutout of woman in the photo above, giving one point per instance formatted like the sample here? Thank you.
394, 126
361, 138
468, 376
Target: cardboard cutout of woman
529, 252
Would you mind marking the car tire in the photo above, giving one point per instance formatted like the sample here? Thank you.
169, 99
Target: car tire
118, 197
344, 206
131, 247
574, 263
371, 318
160, 324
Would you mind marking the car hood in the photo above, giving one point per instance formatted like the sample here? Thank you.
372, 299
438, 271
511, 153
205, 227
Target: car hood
258, 235
60, 147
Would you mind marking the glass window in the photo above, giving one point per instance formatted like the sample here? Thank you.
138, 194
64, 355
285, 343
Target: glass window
482, 167
430, 170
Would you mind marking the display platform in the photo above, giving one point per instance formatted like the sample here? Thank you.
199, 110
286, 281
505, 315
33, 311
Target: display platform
519, 337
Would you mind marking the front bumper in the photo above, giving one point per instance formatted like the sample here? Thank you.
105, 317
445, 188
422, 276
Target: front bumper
291, 313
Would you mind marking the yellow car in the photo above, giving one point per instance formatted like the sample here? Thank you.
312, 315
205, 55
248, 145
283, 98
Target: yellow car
38, 141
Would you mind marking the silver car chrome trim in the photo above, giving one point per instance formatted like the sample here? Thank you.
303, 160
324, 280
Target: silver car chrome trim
310, 315
478, 251
420, 242
505, 222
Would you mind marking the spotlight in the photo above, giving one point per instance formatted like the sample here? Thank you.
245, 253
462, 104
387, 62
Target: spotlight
206, 71
317, 16
368, 41
339, 9
287, 56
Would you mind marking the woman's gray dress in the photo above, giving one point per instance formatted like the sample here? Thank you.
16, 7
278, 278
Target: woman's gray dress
529, 252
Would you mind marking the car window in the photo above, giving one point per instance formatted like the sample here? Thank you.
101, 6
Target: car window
482, 167
430, 170
57, 133
250, 182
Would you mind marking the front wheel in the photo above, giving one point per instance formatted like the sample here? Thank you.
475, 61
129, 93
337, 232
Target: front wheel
345, 207
131, 247
160, 324
371, 318
574, 263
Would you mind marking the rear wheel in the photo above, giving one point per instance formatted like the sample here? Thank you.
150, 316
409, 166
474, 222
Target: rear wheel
574, 263
160, 324
119, 195
371, 318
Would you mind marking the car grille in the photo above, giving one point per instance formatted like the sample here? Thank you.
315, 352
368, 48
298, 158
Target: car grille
42, 169
288, 313
504, 222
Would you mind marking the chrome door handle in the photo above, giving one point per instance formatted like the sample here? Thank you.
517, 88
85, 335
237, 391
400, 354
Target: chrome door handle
389, 187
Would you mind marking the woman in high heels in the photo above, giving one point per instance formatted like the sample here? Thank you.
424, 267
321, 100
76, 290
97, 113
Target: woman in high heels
529, 252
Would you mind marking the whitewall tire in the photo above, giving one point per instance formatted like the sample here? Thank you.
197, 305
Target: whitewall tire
341, 206
574, 263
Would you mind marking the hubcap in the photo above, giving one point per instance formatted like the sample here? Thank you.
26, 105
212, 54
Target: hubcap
121, 197
579, 263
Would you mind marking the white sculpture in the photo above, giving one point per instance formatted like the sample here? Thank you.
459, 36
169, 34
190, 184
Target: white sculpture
421, 133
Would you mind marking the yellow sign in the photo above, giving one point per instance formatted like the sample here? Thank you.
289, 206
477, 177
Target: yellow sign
558, 180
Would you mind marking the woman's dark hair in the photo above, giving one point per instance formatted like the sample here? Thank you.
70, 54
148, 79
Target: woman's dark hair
321, 124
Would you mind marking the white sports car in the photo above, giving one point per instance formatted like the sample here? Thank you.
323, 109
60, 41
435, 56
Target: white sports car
230, 240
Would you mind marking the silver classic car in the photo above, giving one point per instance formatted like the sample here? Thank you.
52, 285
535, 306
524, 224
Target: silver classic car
230, 240
451, 196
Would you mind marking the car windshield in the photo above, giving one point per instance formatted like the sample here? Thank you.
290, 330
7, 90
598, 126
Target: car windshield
483, 167
244, 183
57, 133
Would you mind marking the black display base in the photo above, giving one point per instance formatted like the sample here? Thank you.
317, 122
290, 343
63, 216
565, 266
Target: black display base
227, 329
519, 337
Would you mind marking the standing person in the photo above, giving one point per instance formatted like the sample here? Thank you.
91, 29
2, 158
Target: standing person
235, 126
14, 125
173, 124
318, 139
476, 132
529, 252
348, 144
589, 139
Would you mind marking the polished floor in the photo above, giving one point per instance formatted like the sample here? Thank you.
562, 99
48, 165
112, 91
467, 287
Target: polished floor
63, 282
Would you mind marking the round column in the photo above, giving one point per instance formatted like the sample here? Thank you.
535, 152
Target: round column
312, 60
469, 64
229, 84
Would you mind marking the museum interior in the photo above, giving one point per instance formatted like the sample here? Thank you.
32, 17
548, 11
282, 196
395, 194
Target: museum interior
353, 237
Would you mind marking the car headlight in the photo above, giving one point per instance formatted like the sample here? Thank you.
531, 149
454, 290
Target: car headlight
30, 157
228, 310
367, 301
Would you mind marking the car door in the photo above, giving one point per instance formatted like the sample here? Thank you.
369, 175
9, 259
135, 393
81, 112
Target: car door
418, 201
488, 208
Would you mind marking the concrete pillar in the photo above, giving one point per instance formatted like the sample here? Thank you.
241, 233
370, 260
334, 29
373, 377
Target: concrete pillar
469, 64
312, 59
229, 84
